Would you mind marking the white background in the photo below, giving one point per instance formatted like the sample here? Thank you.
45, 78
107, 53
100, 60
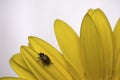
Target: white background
22, 18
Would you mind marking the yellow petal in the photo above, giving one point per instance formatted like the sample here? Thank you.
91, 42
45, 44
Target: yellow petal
54, 71
91, 53
37, 43
117, 68
19, 66
90, 11
105, 35
32, 62
116, 38
69, 44
11, 78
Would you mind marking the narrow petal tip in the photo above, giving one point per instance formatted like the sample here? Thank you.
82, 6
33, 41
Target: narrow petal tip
29, 37
57, 20
59, 23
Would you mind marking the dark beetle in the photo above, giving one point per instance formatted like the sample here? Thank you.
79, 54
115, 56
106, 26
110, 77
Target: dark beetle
45, 59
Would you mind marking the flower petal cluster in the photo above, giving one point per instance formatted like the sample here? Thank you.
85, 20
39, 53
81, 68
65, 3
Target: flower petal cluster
95, 55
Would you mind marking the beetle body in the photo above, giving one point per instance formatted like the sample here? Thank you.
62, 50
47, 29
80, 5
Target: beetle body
45, 59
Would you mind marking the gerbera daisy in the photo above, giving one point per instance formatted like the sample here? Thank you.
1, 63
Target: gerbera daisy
92, 56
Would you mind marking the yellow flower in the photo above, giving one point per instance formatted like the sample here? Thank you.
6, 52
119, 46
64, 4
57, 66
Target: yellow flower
92, 56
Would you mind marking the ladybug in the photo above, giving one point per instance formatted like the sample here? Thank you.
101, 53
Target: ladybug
45, 59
